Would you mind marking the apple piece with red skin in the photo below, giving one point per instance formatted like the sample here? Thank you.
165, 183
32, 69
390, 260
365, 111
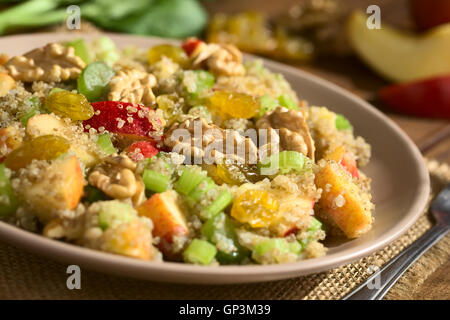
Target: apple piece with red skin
345, 159
430, 13
426, 98
142, 150
167, 217
131, 120
283, 227
191, 44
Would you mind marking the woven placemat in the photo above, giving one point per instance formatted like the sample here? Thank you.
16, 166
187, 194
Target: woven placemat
28, 276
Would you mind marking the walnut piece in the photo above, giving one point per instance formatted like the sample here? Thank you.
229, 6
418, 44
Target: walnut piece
202, 140
132, 85
221, 59
294, 133
52, 63
116, 178
4, 57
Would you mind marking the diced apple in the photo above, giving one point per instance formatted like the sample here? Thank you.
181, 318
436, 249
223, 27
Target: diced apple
6, 84
43, 124
168, 219
400, 56
285, 224
191, 45
59, 188
345, 159
133, 239
342, 201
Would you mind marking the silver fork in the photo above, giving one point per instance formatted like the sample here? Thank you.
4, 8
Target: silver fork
390, 273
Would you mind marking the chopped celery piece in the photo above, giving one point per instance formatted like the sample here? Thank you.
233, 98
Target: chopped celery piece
104, 141
114, 212
203, 81
316, 225
106, 50
200, 252
284, 162
200, 190
55, 90
312, 231
267, 104
277, 244
188, 180
221, 228
155, 181
342, 123
219, 204
287, 102
34, 106
94, 80
8, 201
81, 49
295, 247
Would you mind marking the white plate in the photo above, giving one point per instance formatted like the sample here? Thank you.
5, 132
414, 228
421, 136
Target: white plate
400, 185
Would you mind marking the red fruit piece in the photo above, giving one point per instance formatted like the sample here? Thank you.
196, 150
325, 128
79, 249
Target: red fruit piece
424, 98
142, 150
128, 119
348, 161
190, 45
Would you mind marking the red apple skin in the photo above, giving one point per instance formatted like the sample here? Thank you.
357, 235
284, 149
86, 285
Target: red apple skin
190, 45
426, 98
348, 161
147, 149
430, 13
114, 117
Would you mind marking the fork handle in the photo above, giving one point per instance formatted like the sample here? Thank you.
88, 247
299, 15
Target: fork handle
391, 272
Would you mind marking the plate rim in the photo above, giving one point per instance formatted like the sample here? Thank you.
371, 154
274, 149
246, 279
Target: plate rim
186, 273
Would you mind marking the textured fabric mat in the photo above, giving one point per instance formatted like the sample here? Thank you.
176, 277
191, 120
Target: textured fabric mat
28, 276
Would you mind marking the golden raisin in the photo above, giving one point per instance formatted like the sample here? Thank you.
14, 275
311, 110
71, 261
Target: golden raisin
46, 147
258, 208
234, 105
71, 105
176, 54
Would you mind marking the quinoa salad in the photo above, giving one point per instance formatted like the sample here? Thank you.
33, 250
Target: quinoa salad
183, 153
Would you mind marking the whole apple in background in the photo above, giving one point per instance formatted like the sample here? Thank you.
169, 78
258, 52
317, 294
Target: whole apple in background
430, 13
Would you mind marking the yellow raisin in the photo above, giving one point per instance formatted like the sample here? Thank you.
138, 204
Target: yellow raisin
234, 105
176, 54
258, 208
46, 147
71, 105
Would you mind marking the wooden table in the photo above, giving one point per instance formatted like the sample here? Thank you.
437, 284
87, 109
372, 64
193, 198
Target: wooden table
432, 136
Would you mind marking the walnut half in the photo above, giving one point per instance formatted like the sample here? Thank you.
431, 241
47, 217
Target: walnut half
132, 86
221, 59
52, 63
294, 133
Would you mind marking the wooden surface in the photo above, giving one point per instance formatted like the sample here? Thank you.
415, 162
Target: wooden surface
432, 136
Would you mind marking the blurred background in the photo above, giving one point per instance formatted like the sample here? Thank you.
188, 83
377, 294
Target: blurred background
403, 68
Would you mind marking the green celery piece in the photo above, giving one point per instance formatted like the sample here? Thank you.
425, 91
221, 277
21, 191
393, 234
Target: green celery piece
218, 205
94, 80
112, 212
267, 104
106, 50
8, 201
34, 108
271, 244
287, 102
199, 191
200, 252
204, 81
155, 181
81, 49
315, 227
342, 123
286, 160
104, 141
188, 180
222, 224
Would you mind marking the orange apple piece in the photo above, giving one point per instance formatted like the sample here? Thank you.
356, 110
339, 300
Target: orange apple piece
342, 201
168, 218
10, 139
6, 84
60, 188
345, 159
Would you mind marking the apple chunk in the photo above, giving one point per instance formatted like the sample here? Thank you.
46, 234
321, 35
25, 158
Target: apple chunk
400, 56
342, 201
59, 188
168, 219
